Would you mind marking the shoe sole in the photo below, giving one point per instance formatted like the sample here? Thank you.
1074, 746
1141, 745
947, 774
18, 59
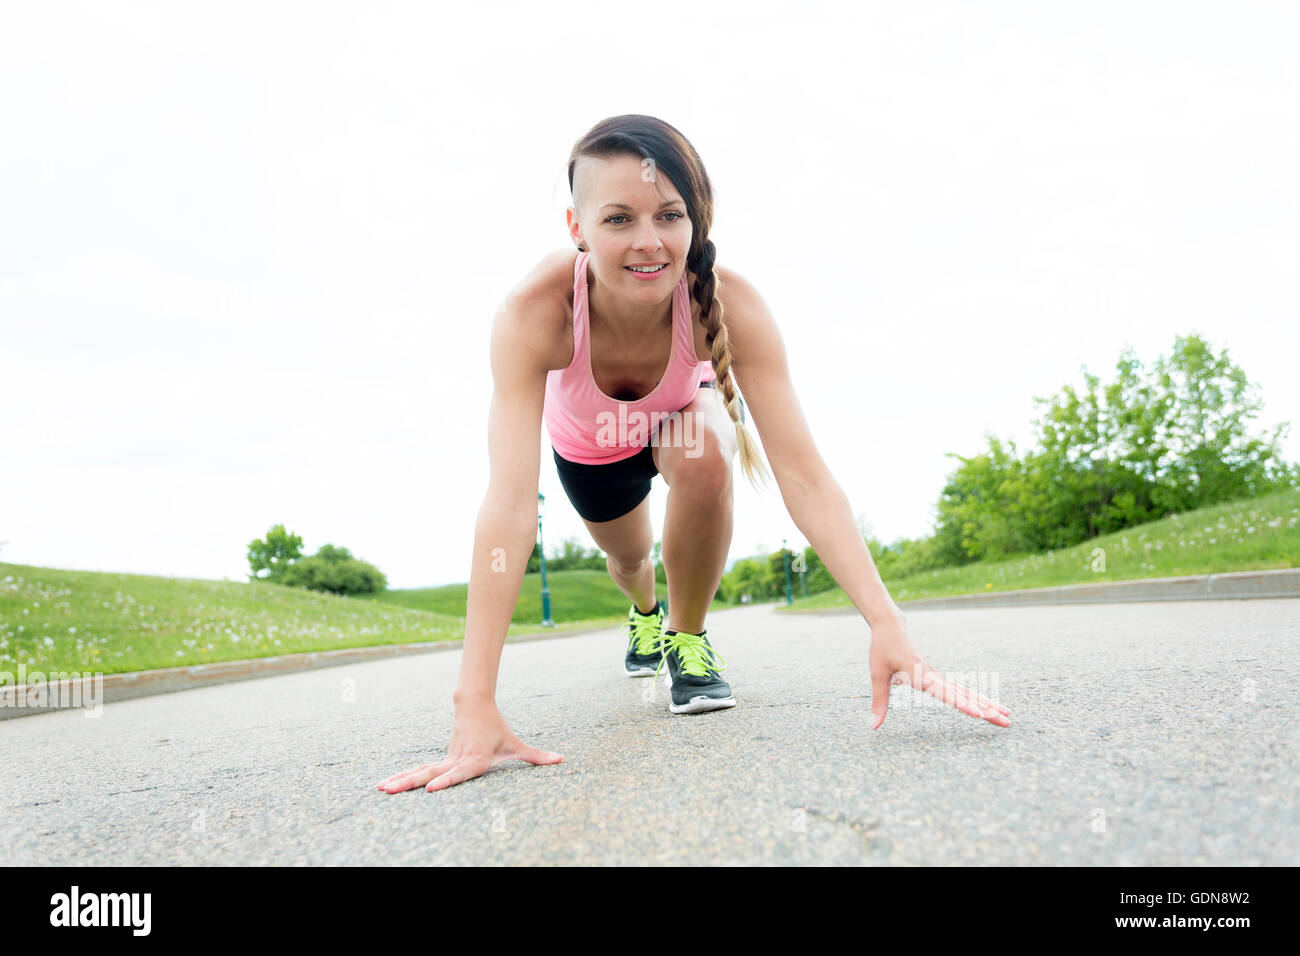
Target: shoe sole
702, 705
696, 705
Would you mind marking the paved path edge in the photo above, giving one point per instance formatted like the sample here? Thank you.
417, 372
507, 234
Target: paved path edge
91, 692
1272, 583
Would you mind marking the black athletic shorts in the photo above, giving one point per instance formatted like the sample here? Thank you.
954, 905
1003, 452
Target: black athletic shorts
606, 492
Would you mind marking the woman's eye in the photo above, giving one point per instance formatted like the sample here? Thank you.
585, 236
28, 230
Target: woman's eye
678, 215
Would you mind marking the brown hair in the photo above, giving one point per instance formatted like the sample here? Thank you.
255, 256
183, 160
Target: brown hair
646, 137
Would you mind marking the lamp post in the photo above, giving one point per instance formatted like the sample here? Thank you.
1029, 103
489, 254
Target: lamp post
785, 554
541, 553
801, 569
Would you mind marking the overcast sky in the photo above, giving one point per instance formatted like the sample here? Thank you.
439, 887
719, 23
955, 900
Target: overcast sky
250, 253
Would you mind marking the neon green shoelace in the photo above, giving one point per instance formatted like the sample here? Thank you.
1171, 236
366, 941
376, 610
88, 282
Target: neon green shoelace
646, 631
697, 658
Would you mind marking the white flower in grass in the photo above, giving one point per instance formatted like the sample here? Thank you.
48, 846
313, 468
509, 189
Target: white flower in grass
72, 630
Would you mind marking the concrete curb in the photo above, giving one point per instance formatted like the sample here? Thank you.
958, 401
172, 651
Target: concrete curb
91, 692
1276, 583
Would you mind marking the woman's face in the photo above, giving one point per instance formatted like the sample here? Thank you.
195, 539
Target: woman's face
630, 214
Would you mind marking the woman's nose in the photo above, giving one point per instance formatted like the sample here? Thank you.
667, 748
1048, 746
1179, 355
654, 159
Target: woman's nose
647, 238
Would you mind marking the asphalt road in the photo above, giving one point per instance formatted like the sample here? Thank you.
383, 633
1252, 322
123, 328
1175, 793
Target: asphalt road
1141, 734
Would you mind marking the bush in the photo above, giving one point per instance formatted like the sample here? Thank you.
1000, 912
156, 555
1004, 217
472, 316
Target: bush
344, 576
279, 560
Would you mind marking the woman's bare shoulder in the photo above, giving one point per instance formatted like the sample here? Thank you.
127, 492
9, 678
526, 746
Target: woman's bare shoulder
737, 295
545, 296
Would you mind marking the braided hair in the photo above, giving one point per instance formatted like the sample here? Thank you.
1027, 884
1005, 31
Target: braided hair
661, 145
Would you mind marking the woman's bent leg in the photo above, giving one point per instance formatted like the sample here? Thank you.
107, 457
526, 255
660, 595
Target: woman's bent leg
698, 523
626, 542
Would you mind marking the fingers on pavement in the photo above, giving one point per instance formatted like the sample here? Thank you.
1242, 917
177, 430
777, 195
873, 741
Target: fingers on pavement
880, 684
413, 778
966, 700
535, 756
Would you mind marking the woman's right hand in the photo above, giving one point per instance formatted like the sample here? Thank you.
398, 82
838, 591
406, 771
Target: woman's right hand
480, 740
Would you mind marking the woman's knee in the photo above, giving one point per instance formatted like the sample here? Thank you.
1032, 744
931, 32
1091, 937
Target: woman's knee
707, 467
626, 540
625, 569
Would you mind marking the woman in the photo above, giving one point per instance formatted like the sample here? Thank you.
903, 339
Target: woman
580, 344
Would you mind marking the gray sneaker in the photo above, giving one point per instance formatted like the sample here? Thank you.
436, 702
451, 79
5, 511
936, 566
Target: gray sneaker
693, 682
645, 631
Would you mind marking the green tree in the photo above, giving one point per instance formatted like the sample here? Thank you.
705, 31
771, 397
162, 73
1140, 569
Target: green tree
1149, 443
1169, 439
1214, 459
1100, 450
334, 569
571, 557
986, 508
270, 558
818, 577
908, 556
333, 554
747, 576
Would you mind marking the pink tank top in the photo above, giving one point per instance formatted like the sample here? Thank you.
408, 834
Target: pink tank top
587, 426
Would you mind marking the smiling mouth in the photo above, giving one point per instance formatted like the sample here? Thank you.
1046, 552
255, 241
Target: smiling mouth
650, 269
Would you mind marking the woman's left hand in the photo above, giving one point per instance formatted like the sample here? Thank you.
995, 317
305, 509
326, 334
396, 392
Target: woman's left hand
895, 661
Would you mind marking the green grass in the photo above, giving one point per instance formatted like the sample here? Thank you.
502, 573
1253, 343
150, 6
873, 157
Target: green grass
53, 620
575, 595
1255, 534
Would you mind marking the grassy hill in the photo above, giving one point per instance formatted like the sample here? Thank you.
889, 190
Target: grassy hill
1254, 534
575, 595
53, 620
56, 620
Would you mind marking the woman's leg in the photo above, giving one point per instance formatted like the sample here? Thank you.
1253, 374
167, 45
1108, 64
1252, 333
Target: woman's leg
626, 542
698, 524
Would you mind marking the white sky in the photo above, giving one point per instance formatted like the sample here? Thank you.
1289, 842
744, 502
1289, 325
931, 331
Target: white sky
250, 252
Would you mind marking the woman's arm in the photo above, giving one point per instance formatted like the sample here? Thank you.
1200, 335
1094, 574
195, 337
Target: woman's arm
503, 541
818, 505
506, 529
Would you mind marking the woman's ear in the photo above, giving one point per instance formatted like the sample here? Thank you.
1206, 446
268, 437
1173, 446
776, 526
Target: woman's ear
575, 230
